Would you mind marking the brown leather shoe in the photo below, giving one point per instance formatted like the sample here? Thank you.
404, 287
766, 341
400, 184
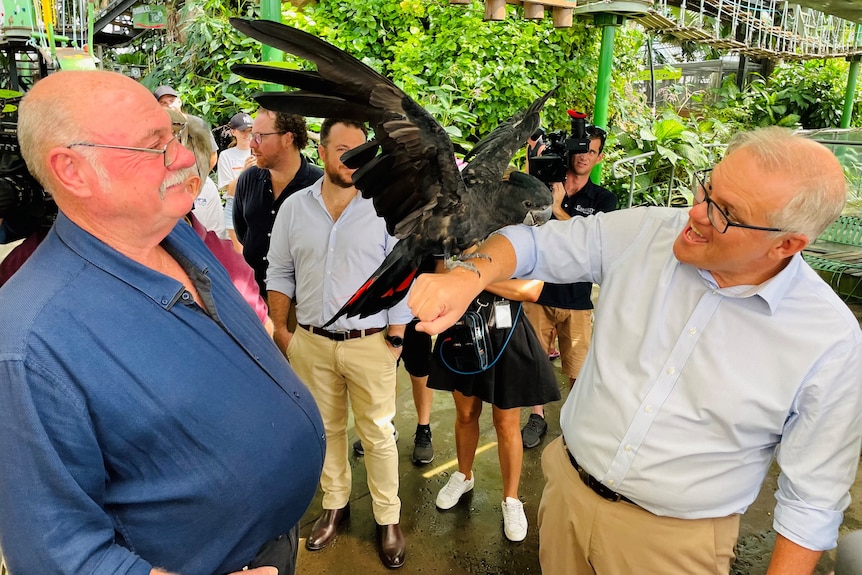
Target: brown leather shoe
325, 528
390, 546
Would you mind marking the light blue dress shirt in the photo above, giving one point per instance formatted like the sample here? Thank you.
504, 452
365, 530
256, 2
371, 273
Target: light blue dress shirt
689, 388
335, 258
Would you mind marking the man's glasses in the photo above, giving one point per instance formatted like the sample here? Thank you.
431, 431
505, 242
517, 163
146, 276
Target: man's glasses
717, 217
257, 137
170, 151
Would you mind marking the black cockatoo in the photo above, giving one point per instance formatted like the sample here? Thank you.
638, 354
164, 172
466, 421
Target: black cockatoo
409, 168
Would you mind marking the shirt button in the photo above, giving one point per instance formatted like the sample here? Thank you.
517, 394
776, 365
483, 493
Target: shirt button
296, 394
628, 447
164, 301
671, 371
611, 482
264, 258
269, 235
648, 409
272, 212
692, 331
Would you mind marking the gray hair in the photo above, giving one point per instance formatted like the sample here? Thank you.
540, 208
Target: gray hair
45, 122
197, 141
819, 195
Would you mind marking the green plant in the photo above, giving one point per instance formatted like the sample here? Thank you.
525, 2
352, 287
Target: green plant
676, 148
469, 73
198, 63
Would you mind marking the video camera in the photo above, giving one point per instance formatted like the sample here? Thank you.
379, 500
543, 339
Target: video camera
25, 207
553, 164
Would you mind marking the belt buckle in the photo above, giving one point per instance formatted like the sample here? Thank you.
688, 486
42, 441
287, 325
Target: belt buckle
342, 335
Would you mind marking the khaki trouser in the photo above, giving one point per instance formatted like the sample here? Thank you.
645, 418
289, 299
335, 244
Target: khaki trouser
581, 533
363, 370
574, 330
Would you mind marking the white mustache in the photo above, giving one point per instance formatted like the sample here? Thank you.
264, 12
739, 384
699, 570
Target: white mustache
177, 177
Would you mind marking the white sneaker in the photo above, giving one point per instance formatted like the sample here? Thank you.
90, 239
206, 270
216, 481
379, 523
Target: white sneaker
457, 486
514, 520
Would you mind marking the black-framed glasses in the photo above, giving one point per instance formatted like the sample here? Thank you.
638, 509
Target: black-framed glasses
257, 137
170, 151
717, 217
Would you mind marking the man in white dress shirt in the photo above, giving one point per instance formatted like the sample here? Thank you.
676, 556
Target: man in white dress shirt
716, 348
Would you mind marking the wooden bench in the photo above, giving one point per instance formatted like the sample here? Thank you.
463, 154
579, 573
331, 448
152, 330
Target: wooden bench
837, 255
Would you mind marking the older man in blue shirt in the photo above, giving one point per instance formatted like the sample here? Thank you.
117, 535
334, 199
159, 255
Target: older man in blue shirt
149, 423
715, 348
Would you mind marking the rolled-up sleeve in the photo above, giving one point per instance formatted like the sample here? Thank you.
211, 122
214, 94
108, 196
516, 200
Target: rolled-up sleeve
819, 451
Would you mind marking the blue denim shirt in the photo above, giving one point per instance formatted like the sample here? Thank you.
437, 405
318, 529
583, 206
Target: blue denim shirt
138, 430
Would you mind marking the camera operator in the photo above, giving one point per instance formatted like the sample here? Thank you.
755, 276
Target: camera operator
567, 308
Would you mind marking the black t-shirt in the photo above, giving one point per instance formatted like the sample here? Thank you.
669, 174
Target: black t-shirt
254, 211
591, 199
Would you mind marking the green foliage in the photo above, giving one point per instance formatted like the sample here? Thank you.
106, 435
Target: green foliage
198, 64
469, 74
680, 146
797, 94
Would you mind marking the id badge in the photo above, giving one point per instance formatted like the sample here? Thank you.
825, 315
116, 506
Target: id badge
502, 315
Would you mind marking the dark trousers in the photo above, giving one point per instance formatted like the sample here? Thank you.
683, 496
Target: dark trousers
279, 553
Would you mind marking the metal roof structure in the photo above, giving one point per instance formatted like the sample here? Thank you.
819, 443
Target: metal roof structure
775, 29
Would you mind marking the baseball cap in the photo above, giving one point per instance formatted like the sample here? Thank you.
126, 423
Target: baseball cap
165, 91
241, 121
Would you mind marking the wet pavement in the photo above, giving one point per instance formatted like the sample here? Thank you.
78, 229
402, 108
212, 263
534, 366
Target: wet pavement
469, 539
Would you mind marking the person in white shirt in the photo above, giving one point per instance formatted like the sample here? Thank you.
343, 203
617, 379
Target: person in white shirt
716, 349
231, 162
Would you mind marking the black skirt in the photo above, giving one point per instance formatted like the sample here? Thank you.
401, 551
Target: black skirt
519, 372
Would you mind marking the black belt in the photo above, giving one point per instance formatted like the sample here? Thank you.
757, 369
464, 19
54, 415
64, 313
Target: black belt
341, 335
597, 486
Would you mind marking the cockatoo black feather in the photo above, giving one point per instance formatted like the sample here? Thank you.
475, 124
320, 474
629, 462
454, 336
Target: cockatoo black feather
409, 168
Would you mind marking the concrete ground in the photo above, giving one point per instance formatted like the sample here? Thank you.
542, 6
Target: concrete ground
469, 537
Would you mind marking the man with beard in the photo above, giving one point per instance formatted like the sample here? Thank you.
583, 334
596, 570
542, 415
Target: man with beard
277, 140
566, 309
326, 241
149, 423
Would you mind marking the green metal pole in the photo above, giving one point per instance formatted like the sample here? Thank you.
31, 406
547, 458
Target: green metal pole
850, 92
271, 10
608, 23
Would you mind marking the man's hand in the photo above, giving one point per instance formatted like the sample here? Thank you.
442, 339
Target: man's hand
257, 571
282, 338
439, 300
558, 191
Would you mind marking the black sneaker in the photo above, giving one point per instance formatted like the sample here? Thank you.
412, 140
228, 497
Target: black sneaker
423, 451
360, 451
534, 431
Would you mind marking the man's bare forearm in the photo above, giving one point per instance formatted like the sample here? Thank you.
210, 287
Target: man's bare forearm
438, 300
279, 308
788, 558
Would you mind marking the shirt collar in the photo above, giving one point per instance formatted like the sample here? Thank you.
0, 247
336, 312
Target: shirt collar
163, 290
771, 292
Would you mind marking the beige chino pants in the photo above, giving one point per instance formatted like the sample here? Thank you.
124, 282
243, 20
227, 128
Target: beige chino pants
581, 533
360, 370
